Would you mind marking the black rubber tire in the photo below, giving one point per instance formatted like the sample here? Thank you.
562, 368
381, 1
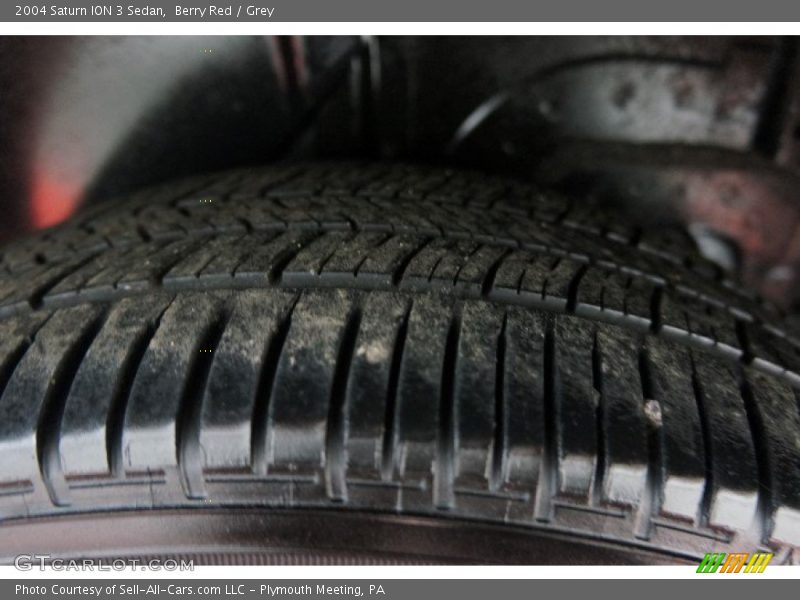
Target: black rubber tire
395, 340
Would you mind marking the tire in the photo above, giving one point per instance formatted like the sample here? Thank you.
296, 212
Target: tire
386, 363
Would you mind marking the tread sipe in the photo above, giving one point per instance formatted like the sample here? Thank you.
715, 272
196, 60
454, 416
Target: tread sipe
399, 340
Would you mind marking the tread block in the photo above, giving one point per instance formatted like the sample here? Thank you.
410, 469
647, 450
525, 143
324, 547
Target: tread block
448, 269
578, 404
419, 388
231, 260
614, 296
624, 423
16, 291
777, 425
510, 273
299, 407
235, 381
480, 270
266, 262
683, 452
152, 269
733, 496
35, 383
422, 266
524, 392
107, 276
372, 386
348, 257
383, 262
310, 260
477, 396
101, 385
190, 267
75, 281
150, 434
551, 281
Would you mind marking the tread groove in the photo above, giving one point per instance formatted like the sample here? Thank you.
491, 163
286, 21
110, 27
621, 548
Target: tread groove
392, 405
491, 272
189, 452
48, 429
548, 472
705, 428
572, 289
336, 434
259, 434
443, 493
650, 504
600, 420
763, 462
655, 309
115, 421
497, 476
744, 341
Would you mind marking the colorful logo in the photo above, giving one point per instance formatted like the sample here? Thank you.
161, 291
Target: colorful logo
734, 563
